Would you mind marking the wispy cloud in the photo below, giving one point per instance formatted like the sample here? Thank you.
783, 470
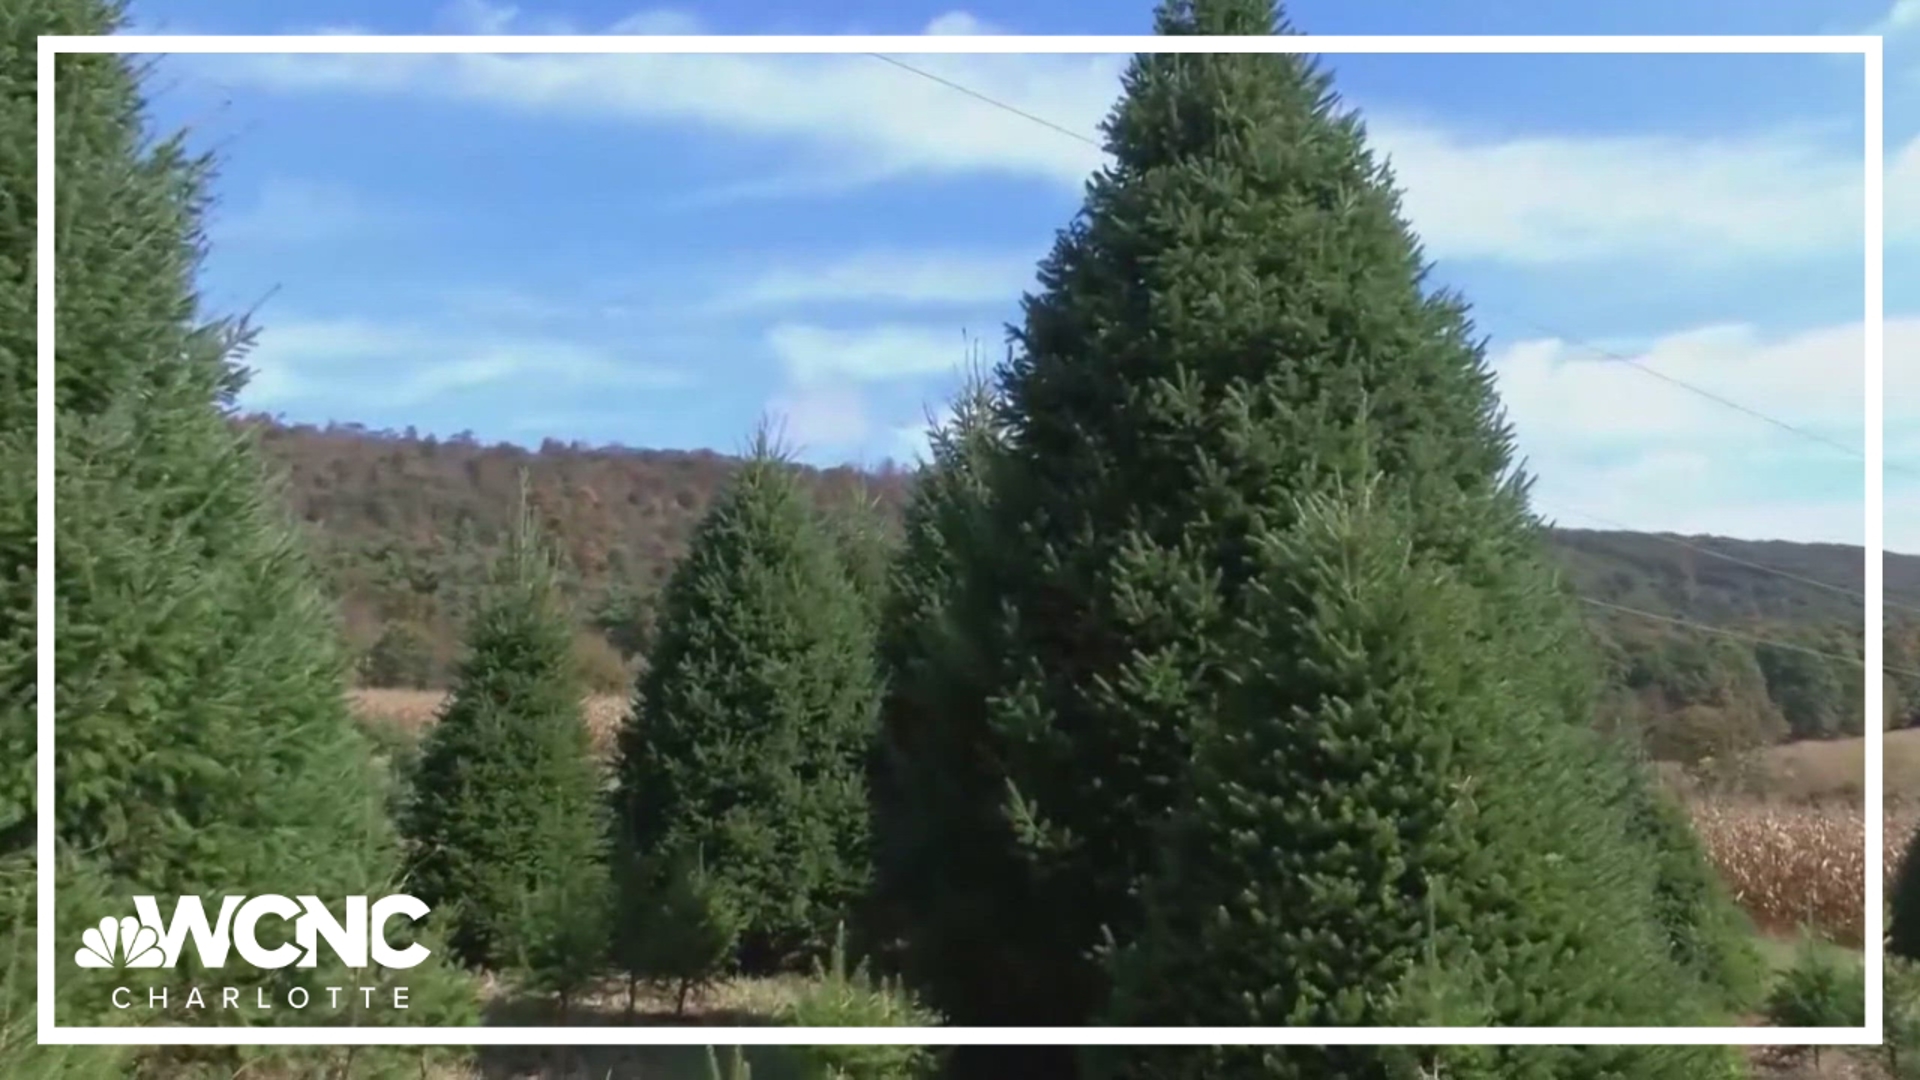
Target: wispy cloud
1606, 439
1902, 18
391, 365
1816, 379
814, 354
823, 419
853, 121
897, 278
1558, 199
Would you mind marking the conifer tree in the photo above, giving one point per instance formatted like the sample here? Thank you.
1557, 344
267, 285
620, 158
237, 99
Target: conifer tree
506, 823
931, 789
1239, 323
677, 928
749, 731
1388, 829
19, 1053
204, 745
1903, 919
858, 526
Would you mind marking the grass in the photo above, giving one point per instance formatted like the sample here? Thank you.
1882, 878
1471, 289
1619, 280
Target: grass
409, 712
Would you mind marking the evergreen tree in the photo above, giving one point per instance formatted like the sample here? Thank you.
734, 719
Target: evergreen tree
204, 745
19, 1054
564, 922
1903, 918
1237, 323
858, 526
748, 734
506, 794
936, 797
1387, 828
678, 929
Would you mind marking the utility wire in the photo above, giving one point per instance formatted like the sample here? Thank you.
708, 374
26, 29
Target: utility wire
1631, 362
1748, 563
978, 96
1718, 399
1743, 636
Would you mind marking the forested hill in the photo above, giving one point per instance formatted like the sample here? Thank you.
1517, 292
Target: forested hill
404, 525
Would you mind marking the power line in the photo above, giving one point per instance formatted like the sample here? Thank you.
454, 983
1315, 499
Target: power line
1742, 636
1632, 362
1748, 563
978, 96
1718, 399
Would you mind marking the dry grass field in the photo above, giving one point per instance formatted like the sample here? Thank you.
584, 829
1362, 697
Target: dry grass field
413, 710
1793, 851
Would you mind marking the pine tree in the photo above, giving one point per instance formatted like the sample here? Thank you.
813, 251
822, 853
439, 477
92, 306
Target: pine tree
749, 730
678, 929
204, 745
1239, 323
932, 786
1903, 920
1388, 829
858, 526
19, 1054
506, 795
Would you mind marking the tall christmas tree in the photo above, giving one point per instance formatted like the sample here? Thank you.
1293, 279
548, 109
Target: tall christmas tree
203, 744
1239, 436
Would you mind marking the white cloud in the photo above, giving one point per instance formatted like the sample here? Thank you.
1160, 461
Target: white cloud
1902, 18
391, 365
479, 17
962, 24
957, 278
853, 120
813, 354
1605, 439
1551, 199
1815, 379
822, 418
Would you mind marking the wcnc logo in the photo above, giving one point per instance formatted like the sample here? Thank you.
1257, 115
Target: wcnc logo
151, 942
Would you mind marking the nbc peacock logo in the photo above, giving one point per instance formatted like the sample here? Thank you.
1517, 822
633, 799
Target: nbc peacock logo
120, 943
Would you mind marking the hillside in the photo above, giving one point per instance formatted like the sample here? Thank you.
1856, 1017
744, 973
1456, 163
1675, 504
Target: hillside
403, 524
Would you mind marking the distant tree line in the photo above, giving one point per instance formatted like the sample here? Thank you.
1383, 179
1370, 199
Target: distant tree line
405, 526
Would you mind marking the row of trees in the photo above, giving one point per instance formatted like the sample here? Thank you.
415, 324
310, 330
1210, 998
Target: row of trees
1222, 677
407, 575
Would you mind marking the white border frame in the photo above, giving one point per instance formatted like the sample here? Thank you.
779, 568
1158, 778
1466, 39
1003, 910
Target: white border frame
1868, 47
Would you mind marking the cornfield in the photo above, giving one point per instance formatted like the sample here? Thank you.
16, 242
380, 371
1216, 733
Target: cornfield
1797, 865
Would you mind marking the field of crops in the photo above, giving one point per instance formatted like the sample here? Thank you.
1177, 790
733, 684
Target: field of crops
1794, 865
1798, 859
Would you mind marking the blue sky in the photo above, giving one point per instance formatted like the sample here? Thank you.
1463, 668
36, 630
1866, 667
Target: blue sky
656, 251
